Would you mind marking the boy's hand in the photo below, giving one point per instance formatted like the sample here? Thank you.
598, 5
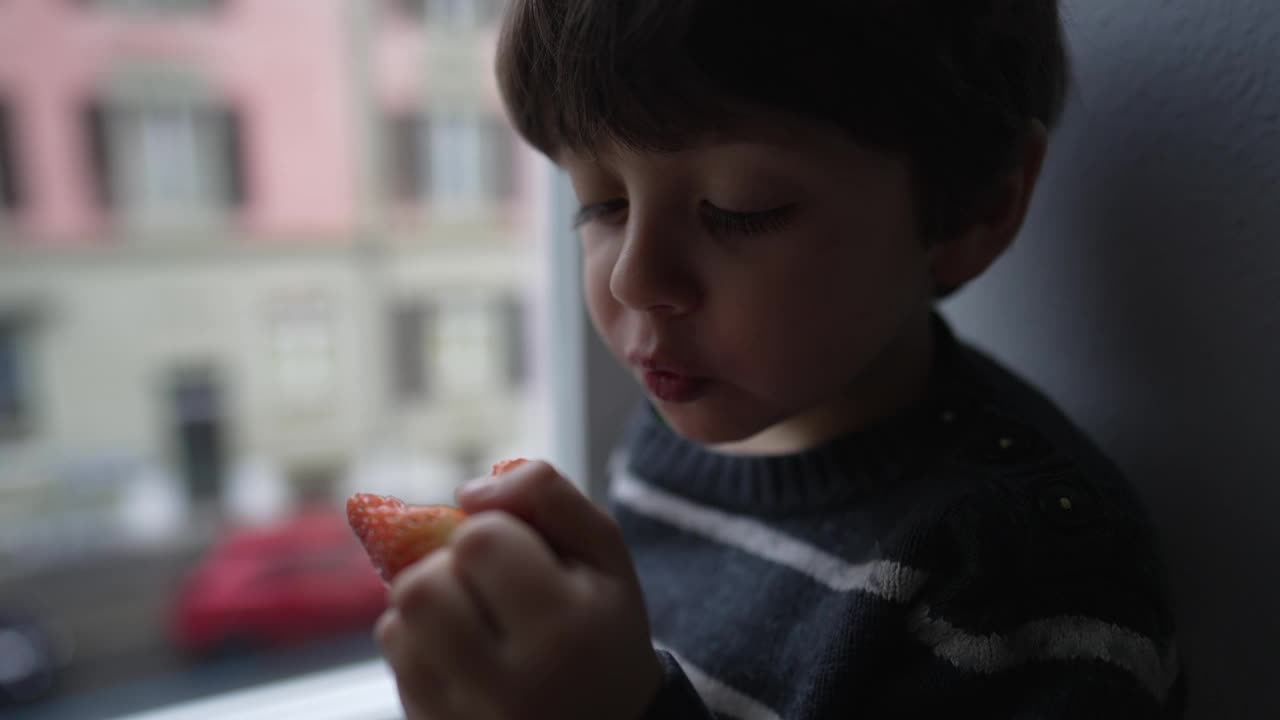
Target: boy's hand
533, 610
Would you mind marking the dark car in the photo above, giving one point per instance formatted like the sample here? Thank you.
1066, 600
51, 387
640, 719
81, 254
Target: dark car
304, 579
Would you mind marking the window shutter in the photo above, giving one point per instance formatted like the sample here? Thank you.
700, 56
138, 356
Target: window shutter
10, 190
232, 137
405, 157
513, 324
13, 409
411, 329
98, 151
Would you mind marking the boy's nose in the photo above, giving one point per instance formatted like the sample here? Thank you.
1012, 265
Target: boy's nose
652, 274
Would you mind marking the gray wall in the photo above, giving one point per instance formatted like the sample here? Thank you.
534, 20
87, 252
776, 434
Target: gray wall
1144, 296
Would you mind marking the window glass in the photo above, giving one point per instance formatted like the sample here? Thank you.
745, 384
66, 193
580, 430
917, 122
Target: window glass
271, 263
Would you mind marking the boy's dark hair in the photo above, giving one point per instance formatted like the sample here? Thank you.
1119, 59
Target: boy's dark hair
953, 84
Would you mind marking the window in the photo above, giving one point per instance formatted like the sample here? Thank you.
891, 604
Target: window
451, 159
10, 196
468, 351
165, 163
455, 13
303, 352
170, 397
15, 380
481, 344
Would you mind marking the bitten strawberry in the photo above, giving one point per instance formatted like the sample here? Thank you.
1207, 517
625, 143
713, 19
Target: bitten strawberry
504, 465
396, 534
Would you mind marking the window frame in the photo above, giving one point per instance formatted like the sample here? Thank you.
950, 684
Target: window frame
115, 138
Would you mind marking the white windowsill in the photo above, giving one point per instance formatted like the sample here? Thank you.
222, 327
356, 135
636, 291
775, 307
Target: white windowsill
365, 691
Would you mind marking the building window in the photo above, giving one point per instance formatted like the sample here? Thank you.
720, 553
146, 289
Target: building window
448, 159
455, 13
469, 348
15, 380
480, 344
10, 195
303, 351
166, 163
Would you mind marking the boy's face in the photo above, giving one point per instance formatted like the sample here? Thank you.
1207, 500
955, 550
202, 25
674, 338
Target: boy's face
769, 288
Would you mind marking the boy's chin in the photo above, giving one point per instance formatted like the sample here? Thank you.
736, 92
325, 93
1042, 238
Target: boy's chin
706, 427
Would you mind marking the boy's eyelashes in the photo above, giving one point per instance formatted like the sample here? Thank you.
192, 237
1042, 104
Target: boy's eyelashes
717, 219
729, 222
587, 213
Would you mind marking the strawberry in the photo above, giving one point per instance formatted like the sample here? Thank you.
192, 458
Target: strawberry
396, 534
504, 465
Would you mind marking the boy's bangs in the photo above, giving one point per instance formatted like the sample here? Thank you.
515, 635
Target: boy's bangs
575, 79
652, 76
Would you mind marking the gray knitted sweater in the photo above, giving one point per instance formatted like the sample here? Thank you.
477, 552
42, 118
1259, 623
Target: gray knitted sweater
974, 557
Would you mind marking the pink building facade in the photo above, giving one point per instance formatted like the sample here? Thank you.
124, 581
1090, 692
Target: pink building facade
284, 71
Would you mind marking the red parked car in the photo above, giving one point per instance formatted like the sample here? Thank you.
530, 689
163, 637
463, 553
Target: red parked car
306, 578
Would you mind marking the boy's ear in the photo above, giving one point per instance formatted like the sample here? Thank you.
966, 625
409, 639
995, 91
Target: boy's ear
968, 254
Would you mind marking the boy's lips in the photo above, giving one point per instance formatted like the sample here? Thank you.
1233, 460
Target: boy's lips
655, 362
669, 381
674, 388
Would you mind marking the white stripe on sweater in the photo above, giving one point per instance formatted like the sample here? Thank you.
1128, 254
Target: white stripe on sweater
717, 696
887, 579
1055, 638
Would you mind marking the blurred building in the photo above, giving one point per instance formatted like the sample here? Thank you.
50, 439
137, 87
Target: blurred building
246, 242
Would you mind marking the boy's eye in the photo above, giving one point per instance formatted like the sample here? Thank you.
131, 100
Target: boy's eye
723, 221
719, 220
596, 211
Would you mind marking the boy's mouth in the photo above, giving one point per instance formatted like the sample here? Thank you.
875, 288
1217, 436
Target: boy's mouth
674, 387
667, 381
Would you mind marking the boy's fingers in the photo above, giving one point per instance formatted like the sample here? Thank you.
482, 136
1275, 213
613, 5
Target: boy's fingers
444, 620
421, 685
509, 568
567, 519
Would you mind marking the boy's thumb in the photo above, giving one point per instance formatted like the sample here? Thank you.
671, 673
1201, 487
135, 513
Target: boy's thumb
570, 523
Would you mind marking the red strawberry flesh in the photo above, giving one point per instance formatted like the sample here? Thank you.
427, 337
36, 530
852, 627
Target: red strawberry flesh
396, 535
504, 465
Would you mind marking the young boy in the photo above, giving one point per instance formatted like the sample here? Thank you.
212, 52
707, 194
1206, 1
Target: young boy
828, 507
